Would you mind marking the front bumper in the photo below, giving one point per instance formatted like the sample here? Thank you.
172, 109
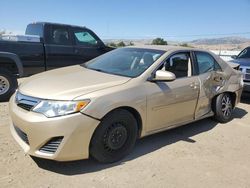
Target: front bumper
246, 86
238, 96
76, 131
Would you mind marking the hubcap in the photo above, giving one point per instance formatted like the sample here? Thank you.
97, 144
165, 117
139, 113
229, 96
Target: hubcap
115, 137
4, 85
226, 106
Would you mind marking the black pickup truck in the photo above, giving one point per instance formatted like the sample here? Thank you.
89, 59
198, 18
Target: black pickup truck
44, 46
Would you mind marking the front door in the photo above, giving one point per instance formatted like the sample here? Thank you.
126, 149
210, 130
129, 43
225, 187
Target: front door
171, 103
87, 45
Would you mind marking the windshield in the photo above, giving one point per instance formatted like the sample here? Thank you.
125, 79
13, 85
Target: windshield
245, 53
129, 62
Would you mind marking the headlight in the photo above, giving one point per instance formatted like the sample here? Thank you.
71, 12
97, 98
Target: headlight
59, 108
241, 81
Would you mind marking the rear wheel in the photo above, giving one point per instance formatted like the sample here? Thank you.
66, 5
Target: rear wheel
115, 137
223, 108
8, 85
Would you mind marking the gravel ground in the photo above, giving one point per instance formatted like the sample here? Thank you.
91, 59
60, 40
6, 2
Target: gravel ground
201, 154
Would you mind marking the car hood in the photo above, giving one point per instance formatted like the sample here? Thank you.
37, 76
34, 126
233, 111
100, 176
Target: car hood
242, 61
68, 83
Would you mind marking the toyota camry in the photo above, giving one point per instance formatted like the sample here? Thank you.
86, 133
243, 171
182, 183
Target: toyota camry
102, 107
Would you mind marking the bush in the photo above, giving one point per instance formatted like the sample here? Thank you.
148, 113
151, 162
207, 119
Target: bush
159, 41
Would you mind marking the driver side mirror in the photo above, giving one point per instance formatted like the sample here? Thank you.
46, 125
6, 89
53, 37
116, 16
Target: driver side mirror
100, 44
161, 76
234, 56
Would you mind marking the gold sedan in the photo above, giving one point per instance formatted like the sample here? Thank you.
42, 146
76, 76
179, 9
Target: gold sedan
101, 108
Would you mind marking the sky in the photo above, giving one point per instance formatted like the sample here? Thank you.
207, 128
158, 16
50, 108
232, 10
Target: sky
176, 20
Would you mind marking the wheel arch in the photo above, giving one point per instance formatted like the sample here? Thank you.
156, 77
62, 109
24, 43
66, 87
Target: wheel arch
11, 62
134, 112
232, 95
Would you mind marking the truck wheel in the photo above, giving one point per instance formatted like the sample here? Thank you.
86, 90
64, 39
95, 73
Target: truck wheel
223, 108
114, 137
8, 85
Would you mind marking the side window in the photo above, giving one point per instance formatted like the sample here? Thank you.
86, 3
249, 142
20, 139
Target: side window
60, 36
84, 38
206, 62
179, 64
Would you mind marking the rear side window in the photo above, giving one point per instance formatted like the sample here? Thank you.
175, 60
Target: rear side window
83, 37
34, 29
60, 36
206, 62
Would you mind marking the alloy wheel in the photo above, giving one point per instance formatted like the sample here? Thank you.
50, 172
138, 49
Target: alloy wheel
4, 85
226, 106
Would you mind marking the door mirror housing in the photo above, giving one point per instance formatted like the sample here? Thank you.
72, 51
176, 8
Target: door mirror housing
100, 44
163, 76
234, 56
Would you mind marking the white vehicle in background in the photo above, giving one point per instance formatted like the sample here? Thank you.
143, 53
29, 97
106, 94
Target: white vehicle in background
21, 38
244, 60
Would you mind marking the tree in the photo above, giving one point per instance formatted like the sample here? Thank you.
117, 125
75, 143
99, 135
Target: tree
112, 44
2, 32
186, 45
159, 41
131, 43
121, 44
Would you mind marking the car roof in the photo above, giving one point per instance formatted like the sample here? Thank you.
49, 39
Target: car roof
165, 47
59, 24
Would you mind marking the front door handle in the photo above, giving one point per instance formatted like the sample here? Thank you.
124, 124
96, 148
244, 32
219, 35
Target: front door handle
194, 85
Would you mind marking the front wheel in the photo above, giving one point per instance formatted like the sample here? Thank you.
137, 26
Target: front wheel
114, 137
223, 108
8, 85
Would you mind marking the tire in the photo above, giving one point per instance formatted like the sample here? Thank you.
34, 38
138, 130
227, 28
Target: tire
8, 85
223, 108
114, 137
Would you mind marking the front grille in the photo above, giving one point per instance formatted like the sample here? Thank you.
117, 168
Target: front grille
22, 135
247, 76
25, 106
246, 73
26, 102
51, 146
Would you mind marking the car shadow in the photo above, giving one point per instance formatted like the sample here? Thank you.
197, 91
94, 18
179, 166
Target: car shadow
143, 146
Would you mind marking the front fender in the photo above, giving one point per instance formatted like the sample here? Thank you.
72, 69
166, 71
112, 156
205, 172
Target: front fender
14, 58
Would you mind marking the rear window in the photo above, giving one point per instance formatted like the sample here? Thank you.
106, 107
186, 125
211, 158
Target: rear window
34, 29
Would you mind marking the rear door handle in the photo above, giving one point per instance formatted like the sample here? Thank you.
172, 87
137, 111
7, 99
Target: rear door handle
218, 78
76, 51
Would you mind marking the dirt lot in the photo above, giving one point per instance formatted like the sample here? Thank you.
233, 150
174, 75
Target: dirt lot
201, 154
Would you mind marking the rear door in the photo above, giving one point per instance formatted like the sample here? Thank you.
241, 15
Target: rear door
212, 79
86, 45
171, 103
58, 47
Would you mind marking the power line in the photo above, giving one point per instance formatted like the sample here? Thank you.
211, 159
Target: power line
180, 36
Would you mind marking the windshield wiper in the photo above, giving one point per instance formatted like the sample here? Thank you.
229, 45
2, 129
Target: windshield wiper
83, 65
99, 70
